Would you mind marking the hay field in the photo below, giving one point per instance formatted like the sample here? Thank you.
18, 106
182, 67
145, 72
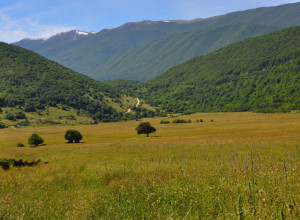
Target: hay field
240, 166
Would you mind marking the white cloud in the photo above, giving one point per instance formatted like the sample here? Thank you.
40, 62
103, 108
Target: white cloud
13, 30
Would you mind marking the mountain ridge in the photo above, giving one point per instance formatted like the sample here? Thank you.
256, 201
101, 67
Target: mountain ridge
88, 54
150, 59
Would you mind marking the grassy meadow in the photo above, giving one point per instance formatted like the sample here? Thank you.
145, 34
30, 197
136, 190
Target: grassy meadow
240, 166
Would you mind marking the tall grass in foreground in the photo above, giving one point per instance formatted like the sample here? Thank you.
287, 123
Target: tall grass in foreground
193, 185
160, 182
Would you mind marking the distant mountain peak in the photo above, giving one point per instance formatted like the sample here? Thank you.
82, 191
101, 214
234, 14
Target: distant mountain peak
69, 35
41, 39
183, 21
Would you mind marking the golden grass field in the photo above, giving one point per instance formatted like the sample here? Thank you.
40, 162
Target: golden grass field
240, 166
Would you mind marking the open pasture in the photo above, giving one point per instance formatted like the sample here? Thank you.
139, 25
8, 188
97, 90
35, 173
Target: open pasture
240, 166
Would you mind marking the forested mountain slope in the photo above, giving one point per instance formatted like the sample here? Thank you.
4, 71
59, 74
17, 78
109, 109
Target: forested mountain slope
258, 74
30, 82
150, 59
88, 54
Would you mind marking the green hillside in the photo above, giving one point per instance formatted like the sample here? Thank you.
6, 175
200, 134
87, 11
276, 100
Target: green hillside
30, 82
258, 74
150, 59
87, 55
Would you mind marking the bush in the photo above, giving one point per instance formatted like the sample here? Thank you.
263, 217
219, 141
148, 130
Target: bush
23, 123
164, 122
6, 163
179, 121
34, 140
73, 135
2, 125
10, 116
20, 144
20, 115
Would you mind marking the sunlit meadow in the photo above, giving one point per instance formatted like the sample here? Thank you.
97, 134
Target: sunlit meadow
240, 166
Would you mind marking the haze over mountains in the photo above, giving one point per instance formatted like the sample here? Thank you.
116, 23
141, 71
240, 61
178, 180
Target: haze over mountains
117, 53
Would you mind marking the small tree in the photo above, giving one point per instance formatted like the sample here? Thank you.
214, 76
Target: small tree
34, 140
73, 135
145, 128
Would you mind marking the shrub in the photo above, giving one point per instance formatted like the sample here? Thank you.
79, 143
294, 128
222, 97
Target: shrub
73, 135
164, 122
179, 121
20, 115
211, 120
23, 123
6, 163
10, 116
2, 125
20, 144
34, 140
201, 120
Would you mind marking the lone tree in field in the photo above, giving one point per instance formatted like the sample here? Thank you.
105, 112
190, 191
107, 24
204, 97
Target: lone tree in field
73, 135
145, 128
35, 140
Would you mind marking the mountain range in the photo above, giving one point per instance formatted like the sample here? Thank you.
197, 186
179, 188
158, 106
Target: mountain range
258, 70
143, 50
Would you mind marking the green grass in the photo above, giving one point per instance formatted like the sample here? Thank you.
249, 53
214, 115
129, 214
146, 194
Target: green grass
241, 166
48, 117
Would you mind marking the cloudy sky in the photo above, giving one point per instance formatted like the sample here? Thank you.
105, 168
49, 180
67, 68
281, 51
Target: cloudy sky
44, 18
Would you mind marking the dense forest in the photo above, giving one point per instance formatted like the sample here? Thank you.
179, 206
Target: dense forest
261, 74
126, 87
30, 82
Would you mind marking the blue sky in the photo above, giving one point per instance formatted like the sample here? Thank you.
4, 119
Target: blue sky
44, 18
